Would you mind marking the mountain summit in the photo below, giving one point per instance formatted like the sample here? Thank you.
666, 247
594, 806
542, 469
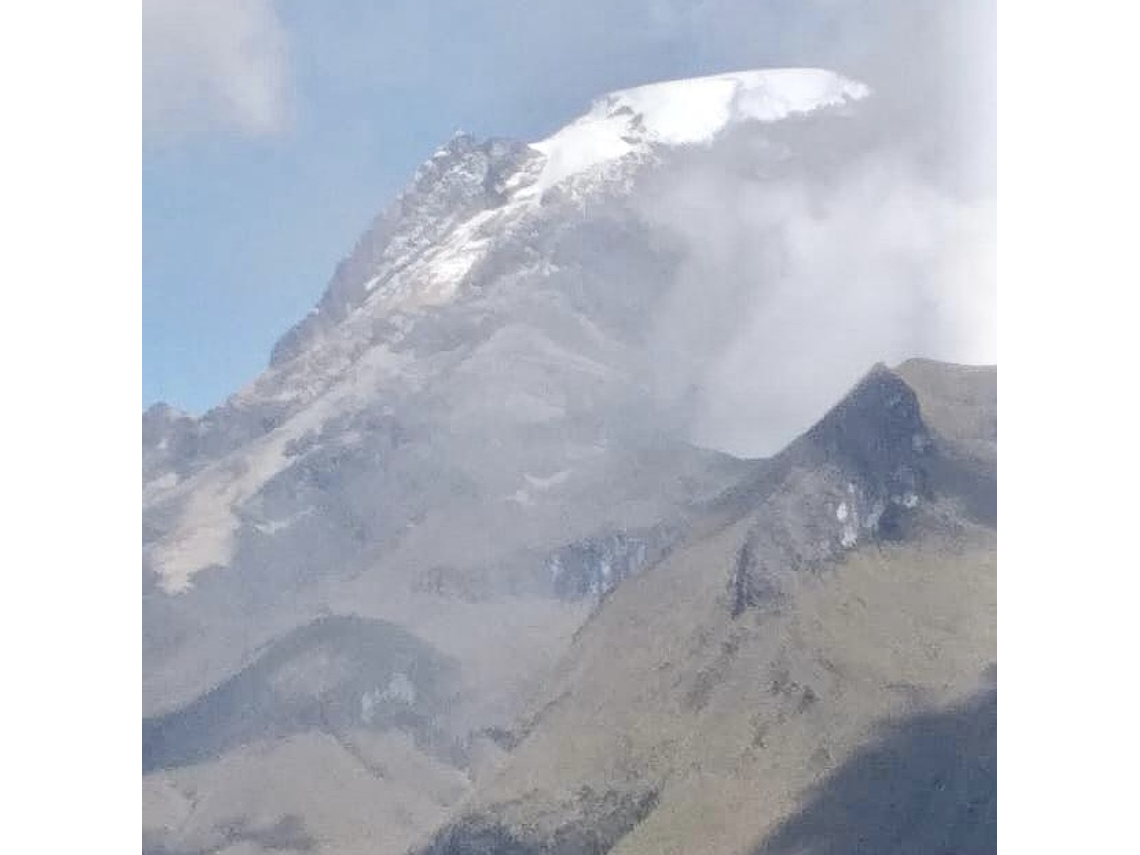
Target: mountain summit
684, 112
420, 251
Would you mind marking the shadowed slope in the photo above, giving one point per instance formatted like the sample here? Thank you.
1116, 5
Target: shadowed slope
930, 786
332, 674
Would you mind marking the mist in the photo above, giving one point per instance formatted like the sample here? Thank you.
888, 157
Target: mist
812, 250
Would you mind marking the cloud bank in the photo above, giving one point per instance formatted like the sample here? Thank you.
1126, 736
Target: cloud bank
814, 249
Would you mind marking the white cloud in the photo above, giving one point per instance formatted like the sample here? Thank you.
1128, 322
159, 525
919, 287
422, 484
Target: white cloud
809, 256
828, 277
212, 65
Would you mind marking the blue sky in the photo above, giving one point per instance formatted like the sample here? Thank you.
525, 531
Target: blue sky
274, 131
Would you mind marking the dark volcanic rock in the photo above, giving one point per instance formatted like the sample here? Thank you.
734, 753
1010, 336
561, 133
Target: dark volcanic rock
877, 437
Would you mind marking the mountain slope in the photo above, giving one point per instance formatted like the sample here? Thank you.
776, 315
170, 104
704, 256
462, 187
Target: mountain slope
842, 609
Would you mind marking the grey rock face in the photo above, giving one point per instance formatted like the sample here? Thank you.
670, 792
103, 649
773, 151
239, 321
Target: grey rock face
593, 568
876, 434
464, 177
168, 438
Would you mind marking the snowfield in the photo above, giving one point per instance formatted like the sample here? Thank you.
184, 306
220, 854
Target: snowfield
686, 112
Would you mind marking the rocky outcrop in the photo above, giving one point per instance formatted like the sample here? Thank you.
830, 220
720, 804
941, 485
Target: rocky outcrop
462, 178
590, 569
871, 470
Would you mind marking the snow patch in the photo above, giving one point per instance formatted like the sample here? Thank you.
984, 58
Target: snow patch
850, 536
873, 517
685, 112
521, 497
434, 275
524, 495
271, 527
549, 481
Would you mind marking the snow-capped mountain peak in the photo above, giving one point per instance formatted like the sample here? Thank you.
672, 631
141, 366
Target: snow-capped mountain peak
502, 266
471, 194
685, 112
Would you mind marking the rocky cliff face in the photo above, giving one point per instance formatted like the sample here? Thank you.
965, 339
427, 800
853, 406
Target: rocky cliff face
464, 179
593, 568
871, 470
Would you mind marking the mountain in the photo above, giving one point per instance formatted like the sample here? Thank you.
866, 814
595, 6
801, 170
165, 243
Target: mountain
452, 572
813, 671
